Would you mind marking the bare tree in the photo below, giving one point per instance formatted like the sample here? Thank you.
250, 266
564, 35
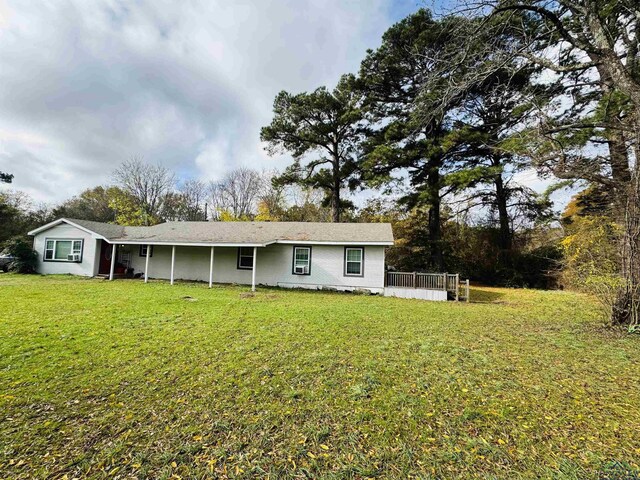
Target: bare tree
194, 195
187, 203
148, 184
237, 194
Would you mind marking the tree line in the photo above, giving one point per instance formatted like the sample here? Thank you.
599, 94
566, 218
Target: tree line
440, 120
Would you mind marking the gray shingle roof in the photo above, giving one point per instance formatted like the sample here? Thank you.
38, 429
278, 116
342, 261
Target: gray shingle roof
244, 232
107, 230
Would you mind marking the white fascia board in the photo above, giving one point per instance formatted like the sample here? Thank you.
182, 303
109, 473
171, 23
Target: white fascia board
184, 244
46, 227
64, 220
359, 244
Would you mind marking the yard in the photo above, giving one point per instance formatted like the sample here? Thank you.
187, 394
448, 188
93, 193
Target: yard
121, 379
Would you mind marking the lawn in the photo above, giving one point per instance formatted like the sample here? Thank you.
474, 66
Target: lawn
124, 379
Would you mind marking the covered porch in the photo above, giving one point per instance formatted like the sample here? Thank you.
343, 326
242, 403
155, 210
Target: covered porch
219, 263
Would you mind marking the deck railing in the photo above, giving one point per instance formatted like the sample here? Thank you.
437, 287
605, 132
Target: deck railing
430, 281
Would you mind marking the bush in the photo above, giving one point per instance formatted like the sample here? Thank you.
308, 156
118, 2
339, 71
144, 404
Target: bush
25, 258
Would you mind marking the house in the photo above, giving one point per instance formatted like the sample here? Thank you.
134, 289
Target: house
343, 256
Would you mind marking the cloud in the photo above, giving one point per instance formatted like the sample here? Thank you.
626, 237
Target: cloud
87, 85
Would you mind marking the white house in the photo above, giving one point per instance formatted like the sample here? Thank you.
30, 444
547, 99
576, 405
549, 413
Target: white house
344, 256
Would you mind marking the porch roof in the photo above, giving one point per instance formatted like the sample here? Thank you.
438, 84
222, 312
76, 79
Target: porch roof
238, 233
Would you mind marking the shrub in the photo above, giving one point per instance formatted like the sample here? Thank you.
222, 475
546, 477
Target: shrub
25, 258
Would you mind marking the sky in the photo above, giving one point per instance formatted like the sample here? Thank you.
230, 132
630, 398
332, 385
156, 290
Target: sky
85, 85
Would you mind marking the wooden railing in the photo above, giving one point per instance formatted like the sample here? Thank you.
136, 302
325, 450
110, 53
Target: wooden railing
430, 281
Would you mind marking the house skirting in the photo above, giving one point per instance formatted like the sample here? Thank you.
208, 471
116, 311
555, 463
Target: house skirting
417, 293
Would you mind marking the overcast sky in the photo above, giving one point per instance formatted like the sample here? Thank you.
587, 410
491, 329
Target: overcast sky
86, 85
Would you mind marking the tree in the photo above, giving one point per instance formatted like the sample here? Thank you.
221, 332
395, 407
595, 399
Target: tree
92, 204
236, 196
326, 126
147, 185
126, 208
11, 218
590, 129
18, 215
392, 79
488, 116
6, 177
25, 258
187, 204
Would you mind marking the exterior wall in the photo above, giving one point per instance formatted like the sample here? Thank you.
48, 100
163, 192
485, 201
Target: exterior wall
417, 293
274, 266
88, 267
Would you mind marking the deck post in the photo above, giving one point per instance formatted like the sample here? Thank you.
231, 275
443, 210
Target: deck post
146, 265
211, 269
253, 270
113, 261
457, 287
467, 293
173, 261
444, 282
415, 278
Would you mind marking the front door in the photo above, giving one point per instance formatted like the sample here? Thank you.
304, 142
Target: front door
105, 258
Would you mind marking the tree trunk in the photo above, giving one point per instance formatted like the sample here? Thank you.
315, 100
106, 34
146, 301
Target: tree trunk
335, 194
335, 200
505, 238
626, 308
619, 160
435, 233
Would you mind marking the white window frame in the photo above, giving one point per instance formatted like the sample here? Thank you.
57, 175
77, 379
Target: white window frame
295, 260
241, 255
361, 262
77, 247
142, 251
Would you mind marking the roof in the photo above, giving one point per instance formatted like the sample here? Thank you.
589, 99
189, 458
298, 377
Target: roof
237, 233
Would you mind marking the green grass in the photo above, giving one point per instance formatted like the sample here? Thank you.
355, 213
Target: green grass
121, 379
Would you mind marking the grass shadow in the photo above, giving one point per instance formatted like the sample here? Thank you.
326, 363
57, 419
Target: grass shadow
486, 294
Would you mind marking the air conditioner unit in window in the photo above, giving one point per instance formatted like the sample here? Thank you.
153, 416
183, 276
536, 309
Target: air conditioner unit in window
301, 269
73, 257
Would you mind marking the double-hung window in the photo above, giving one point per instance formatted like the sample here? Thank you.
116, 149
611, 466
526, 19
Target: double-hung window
354, 261
143, 250
58, 250
245, 258
302, 260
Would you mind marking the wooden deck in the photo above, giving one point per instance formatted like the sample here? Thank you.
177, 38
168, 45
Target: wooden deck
426, 286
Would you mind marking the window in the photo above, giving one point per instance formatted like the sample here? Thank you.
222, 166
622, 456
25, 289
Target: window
143, 251
63, 250
49, 249
245, 258
302, 260
354, 261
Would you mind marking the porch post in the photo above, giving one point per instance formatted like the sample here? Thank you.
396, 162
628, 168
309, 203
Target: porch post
211, 269
253, 270
146, 265
173, 261
113, 261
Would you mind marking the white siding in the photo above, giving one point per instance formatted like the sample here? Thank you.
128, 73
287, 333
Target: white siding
90, 251
417, 293
274, 266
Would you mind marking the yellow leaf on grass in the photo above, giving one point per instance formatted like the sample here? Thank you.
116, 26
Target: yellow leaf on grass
310, 455
174, 464
324, 447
